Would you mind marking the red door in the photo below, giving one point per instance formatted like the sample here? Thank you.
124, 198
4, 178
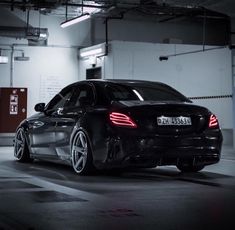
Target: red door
13, 108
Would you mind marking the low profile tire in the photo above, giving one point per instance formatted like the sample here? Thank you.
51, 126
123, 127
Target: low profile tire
190, 168
82, 160
21, 150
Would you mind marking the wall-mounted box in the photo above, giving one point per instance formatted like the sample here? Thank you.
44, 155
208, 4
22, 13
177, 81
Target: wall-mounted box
13, 108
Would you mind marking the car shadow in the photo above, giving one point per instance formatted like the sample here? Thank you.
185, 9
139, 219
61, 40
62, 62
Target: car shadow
63, 173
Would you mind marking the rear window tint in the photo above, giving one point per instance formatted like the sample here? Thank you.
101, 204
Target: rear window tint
146, 92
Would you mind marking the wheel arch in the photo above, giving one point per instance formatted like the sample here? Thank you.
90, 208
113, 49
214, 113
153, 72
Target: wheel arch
96, 129
24, 125
74, 133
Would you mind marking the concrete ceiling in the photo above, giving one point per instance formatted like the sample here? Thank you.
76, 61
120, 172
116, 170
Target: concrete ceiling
223, 6
159, 10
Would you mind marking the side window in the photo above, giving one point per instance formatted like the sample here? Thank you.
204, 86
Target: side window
83, 96
60, 100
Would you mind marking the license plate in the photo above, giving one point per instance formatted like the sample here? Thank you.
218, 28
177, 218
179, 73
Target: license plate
174, 120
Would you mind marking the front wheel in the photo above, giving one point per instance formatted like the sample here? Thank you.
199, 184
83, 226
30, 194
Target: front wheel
190, 167
21, 150
81, 154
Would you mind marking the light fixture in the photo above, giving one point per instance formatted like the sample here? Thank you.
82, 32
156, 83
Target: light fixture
163, 58
3, 59
91, 52
21, 58
90, 10
97, 51
75, 20
43, 36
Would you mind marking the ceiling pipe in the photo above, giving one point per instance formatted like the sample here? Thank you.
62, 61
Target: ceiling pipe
153, 7
204, 31
24, 32
23, 5
12, 50
87, 5
107, 19
12, 66
165, 57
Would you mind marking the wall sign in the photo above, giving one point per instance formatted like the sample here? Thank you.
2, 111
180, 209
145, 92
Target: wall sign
13, 104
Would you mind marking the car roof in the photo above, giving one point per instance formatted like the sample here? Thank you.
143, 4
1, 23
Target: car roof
121, 81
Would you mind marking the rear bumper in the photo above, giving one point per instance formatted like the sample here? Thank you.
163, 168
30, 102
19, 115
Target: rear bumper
149, 151
175, 156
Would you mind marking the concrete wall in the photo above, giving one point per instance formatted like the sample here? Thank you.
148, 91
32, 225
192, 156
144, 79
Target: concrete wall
205, 74
52, 67
144, 29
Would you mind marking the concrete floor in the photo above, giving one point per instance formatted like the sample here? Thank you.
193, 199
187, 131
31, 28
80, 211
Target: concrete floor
49, 196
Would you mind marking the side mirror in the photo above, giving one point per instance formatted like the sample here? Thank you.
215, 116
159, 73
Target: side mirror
40, 107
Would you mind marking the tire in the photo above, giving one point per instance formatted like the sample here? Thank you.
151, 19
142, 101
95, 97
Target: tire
21, 150
81, 154
190, 167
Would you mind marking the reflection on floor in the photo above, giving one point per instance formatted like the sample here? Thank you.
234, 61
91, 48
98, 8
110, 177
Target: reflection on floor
44, 195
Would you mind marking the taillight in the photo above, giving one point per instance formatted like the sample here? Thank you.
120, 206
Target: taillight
121, 119
213, 122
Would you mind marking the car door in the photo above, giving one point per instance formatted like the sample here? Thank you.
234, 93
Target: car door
42, 128
69, 115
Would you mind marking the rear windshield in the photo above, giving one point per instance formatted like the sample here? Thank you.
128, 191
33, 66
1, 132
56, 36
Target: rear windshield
146, 92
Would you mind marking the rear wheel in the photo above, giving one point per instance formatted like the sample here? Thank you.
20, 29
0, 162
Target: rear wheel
190, 167
21, 150
82, 160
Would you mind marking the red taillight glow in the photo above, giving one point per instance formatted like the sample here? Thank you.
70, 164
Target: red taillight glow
121, 119
213, 122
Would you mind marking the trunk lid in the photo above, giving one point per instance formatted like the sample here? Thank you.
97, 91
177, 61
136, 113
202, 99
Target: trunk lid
147, 113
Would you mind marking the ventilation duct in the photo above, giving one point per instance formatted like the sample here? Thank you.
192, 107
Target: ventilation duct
24, 33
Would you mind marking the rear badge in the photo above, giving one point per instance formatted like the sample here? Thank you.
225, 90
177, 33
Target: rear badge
178, 121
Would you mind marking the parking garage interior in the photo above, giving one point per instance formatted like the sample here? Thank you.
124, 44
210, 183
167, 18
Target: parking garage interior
186, 44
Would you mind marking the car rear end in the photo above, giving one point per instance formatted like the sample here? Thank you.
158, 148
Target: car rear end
147, 133
142, 139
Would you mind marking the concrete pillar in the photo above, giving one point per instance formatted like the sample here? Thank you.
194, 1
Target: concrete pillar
233, 75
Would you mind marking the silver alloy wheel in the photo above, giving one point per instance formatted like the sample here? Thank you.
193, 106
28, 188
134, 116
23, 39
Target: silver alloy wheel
79, 152
19, 146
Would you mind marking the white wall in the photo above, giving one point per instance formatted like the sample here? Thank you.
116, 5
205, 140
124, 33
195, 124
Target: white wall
195, 75
57, 65
202, 74
50, 68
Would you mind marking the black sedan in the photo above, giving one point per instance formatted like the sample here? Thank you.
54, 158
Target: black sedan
108, 124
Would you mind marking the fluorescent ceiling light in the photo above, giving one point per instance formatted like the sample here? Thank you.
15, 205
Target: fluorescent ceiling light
3, 59
91, 52
43, 35
75, 20
96, 51
90, 10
